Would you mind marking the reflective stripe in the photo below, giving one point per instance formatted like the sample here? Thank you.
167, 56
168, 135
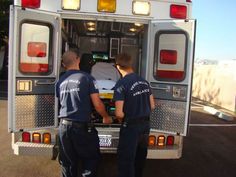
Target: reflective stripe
86, 173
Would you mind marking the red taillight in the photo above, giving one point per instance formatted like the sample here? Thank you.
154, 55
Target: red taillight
34, 67
37, 49
168, 57
31, 3
178, 11
170, 140
25, 137
36, 138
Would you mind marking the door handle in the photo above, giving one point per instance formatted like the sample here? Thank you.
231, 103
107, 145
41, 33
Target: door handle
45, 82
163, 88
166, 88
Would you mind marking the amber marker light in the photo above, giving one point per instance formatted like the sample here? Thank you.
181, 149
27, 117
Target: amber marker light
107, 6
47, 138
152, 140
36, 138
161, 140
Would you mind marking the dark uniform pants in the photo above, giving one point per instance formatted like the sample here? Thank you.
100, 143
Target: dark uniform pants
78, 144
132, 149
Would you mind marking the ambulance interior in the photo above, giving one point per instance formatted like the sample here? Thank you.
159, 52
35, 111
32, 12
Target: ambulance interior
99, 42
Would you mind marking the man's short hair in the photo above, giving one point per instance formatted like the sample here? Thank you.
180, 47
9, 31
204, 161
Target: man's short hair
76, 50
124, 60
68, 57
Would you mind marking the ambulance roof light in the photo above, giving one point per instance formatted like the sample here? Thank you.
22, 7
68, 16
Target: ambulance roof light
141, 7
106, 6
70, 4
178, 11
188, 0
34, 4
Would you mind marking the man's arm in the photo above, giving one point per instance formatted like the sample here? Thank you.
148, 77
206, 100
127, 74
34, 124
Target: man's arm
152, 102
100, 108
119, 110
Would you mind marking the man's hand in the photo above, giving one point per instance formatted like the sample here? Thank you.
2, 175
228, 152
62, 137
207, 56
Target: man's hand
107, 120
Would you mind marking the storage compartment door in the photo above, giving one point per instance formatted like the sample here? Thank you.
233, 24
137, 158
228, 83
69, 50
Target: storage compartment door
33, 64
170, 73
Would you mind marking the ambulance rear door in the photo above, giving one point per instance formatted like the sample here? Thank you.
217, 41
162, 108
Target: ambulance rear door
33, 67
170, 73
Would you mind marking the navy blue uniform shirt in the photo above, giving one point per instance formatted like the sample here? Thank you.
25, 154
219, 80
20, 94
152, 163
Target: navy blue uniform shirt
73, 90
135, 92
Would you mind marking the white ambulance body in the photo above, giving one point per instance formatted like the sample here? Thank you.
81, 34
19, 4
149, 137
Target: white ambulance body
158, 34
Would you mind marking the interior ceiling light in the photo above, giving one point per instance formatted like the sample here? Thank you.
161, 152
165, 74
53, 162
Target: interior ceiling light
91, 28
133, 29
90, 24
138, 24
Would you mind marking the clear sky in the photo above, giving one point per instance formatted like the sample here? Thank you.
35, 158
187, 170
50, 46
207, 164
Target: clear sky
216, 29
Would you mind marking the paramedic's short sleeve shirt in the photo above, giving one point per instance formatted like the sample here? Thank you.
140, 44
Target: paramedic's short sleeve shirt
73, 90
135, 92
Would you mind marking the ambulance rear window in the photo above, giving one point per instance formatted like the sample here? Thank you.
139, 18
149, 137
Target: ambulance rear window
35, 47
170, 56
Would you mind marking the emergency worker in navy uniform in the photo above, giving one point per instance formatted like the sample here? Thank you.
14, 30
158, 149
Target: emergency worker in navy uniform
78, 138
134, 102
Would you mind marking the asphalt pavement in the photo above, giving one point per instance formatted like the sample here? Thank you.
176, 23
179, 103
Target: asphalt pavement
209, 151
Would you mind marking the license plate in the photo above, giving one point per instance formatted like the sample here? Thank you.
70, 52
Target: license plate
105, 140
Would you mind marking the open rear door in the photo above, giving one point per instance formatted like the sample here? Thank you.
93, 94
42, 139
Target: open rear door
171, 58
33, 59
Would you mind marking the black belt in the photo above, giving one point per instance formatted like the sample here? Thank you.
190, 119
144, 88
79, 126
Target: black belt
136, 120
75, 124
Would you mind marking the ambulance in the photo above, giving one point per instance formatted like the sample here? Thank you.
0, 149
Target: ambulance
158, 34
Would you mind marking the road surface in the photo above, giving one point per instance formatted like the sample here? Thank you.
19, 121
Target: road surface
209, 151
